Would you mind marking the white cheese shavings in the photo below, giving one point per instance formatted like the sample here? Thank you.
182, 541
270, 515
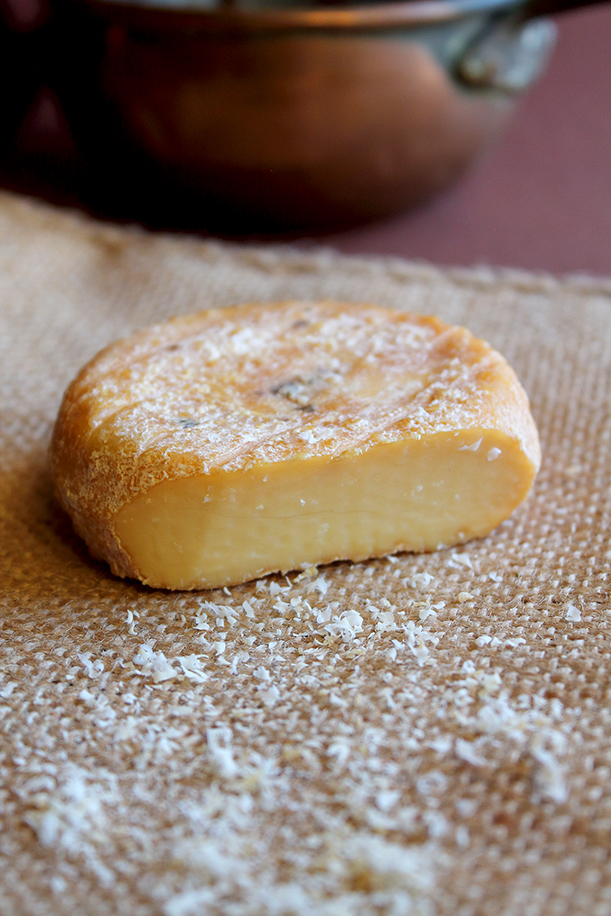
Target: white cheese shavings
471, 448
154, 664
573, 614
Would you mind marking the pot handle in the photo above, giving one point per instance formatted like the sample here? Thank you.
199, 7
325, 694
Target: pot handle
507, 54
512, 49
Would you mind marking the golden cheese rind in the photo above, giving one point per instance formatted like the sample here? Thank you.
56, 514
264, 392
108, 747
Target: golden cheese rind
220, 446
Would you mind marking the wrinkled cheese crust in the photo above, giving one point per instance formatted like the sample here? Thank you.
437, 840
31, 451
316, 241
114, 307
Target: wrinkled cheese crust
220, 446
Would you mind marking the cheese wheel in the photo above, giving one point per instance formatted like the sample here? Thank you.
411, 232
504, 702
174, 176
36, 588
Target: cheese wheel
221, 446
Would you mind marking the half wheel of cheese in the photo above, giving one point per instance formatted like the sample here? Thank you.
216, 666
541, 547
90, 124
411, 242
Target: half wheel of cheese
224, 445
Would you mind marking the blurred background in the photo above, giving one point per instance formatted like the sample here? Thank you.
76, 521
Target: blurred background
538, 196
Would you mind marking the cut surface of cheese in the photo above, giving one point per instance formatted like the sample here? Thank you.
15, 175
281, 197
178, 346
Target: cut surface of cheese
221, 446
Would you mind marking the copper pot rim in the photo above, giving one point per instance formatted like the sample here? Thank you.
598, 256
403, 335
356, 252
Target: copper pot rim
375, 17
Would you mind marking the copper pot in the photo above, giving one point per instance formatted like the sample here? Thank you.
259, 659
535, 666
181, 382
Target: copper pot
291, 118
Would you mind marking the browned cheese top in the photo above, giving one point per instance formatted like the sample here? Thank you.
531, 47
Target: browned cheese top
257, 384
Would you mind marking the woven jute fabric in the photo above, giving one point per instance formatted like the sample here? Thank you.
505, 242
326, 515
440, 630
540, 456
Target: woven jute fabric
413, 735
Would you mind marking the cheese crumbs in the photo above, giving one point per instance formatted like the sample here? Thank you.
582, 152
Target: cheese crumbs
224, 445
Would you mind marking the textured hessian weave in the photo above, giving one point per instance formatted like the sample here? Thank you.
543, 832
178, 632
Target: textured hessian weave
416, 735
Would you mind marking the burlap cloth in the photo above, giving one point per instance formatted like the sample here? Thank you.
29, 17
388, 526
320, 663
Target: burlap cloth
415, 735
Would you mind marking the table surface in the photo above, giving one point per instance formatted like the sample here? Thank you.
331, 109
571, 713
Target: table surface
539, 199
443, 740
